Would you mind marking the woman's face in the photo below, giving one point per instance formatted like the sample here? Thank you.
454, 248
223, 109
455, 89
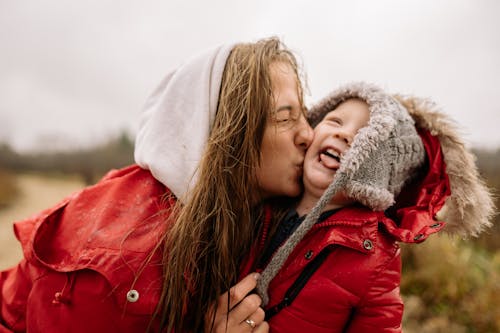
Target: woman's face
286, 137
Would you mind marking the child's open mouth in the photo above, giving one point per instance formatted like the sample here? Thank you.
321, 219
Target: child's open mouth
332, 153
330, 158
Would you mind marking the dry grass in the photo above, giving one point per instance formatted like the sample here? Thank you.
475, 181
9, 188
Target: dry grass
8, 188
451, 283
36, 192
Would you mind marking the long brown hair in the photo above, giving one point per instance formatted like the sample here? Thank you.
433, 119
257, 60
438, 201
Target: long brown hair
215, 228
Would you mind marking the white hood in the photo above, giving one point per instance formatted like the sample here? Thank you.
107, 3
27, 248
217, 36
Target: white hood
177, 120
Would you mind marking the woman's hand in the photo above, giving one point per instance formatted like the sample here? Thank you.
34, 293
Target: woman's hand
245, 313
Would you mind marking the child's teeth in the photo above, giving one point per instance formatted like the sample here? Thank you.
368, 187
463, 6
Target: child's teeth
332, 152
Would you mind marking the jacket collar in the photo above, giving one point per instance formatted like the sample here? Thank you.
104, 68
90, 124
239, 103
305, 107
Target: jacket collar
77, 234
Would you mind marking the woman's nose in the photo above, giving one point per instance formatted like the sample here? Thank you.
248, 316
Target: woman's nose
305, 134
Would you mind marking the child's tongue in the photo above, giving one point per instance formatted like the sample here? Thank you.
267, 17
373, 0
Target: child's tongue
329, 161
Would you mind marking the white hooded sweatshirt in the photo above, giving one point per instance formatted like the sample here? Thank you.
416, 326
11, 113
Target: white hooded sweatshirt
177, 120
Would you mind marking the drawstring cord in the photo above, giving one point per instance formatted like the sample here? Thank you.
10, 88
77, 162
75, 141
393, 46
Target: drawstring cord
61, 296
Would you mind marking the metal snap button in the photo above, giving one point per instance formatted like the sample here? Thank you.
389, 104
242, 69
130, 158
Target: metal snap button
309, 254
418, 237
367, 244
132, 296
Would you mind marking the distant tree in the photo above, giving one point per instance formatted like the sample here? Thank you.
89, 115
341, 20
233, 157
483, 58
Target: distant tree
90, 163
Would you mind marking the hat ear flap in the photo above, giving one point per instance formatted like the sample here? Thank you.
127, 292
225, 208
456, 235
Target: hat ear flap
369, 183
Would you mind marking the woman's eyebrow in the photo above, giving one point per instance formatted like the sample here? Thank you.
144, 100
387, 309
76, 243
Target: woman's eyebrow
284, 107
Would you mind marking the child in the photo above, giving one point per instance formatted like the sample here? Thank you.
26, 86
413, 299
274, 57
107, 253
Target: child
339, 268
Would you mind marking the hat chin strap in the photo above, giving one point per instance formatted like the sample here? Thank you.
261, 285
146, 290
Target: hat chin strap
284, 251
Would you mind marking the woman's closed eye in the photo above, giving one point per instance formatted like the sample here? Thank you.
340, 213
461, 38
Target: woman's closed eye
283, 115
287, 113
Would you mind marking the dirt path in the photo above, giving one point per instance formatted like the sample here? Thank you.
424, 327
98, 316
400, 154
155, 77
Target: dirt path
37, 193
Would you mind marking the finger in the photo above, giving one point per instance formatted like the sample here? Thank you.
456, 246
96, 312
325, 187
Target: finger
245, 309
237, 293
255, 319
261, 328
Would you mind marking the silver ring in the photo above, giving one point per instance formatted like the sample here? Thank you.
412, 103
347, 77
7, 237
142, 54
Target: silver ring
250, 322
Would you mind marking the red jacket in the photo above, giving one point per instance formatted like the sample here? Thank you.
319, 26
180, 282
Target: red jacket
82, 273
356, 288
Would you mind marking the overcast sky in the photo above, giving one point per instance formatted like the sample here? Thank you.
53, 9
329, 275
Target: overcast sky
80, 71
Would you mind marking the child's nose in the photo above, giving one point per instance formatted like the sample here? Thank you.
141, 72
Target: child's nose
345, 136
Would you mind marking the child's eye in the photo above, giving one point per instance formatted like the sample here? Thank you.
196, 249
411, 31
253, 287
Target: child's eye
334, 120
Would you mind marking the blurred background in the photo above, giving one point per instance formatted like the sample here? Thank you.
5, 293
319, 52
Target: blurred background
74, 76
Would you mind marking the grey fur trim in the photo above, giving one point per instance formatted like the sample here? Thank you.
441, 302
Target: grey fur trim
470, 208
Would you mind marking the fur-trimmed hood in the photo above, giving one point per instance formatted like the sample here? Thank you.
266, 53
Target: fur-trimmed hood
469, 208
445, 192
383, 156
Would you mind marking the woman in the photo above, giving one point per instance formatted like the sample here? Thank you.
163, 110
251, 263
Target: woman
154, 247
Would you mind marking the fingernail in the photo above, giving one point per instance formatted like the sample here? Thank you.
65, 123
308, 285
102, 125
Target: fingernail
256, 276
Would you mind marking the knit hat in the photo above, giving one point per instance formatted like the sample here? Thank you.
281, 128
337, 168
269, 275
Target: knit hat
383, 156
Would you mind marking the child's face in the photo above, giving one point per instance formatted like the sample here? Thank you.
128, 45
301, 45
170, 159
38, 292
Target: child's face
332, 138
